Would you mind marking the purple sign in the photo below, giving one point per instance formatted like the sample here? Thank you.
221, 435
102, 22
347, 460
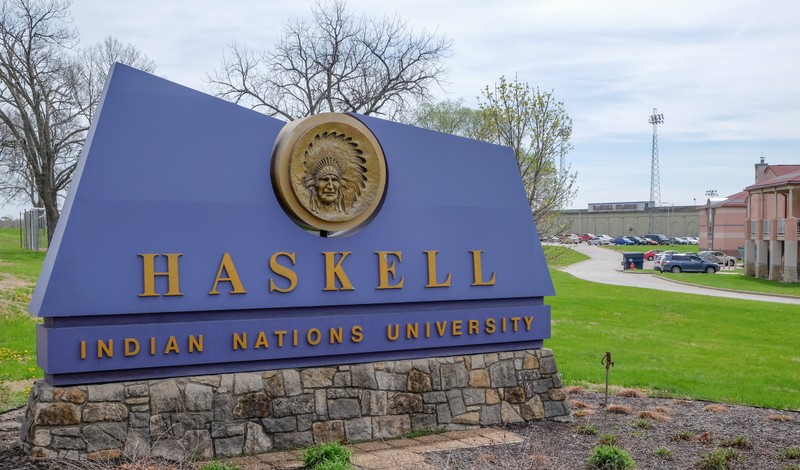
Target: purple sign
192, 222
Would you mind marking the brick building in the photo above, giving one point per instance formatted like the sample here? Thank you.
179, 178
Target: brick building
773, 220
721, 223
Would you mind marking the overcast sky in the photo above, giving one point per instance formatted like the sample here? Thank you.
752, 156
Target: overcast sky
724, 73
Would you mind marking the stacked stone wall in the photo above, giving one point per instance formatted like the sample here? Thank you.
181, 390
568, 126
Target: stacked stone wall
225, 415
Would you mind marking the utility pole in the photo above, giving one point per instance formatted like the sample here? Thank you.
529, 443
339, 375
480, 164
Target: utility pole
710, 219
655, 177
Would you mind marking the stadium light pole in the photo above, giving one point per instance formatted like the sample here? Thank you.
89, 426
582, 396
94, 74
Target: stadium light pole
655, 177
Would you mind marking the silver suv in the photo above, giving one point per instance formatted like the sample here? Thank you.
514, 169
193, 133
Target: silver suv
683, 262
718, 257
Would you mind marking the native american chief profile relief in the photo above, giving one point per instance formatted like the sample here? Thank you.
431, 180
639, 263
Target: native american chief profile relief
329, 172
335, 174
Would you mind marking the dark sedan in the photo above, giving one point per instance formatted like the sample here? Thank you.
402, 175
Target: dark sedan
623, 241
680, 262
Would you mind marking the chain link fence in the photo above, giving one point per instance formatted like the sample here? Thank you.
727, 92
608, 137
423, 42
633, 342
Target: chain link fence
33, 230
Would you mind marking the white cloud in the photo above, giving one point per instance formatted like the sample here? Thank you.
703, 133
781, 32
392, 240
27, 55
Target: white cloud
724, 73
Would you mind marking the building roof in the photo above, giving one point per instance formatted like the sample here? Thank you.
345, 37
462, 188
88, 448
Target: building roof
781, 170
734, 200
786, 175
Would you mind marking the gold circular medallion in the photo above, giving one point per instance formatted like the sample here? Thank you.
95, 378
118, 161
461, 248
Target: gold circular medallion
329, 172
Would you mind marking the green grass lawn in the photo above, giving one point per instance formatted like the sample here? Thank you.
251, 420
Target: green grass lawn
15, 261
738, 281
17, 340
560, 255
694, 346
18, 272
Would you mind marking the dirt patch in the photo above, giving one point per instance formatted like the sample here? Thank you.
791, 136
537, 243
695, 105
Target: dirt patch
17, 385
8, 281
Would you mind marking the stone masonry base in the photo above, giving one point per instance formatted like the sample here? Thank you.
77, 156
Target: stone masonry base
219, 416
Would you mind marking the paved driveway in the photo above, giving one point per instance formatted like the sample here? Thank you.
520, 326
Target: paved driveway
605, 267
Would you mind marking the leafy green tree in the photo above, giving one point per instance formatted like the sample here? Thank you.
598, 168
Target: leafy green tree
537, 128
450, 117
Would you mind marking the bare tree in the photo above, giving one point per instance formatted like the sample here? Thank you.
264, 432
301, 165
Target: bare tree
47, 97
537, 127
335, 62
95, 63
41, 132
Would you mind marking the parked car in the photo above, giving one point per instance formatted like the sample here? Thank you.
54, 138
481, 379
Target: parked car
661, 239
610, 239
682, 262
598, 241
586, 237
638, 240
692, 240
648, 240
651, 255
676, 241
569, 238
623, 241
660, 258
718, 257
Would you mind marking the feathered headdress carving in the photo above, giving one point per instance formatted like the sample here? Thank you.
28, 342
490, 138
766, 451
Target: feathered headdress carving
333, 153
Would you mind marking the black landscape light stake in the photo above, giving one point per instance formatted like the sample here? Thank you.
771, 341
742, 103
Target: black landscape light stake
608, 363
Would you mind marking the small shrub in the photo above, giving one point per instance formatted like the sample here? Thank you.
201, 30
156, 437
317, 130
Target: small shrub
638, 434
791, 453
720, 459
642, 423
610, 458
587, 429
630, 393
714, 408
779, 418
663, 453
575, 390
333, 465
608, 439
217, 465
684, 436
619, 409
739, 442
327, 454
653, 415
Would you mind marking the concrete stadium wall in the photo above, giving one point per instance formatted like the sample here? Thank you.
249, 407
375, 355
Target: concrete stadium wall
678, 221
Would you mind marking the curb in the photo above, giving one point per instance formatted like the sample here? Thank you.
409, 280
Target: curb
722, 289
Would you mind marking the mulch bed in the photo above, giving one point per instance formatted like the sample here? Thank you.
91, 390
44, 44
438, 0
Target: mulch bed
687, 431
690, 430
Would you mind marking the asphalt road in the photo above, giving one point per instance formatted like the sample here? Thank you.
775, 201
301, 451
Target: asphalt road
605, 267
